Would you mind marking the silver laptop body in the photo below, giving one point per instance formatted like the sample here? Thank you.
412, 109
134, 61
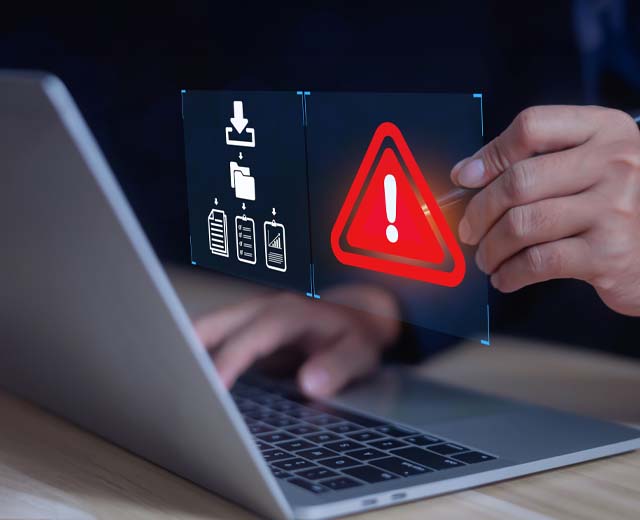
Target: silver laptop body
91, 329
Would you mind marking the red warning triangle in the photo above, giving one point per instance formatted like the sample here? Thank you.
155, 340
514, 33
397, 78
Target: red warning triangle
389, 191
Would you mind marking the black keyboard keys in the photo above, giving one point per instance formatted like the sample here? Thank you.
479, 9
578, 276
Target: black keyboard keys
303, 429
293, 464
321, 438
294, 445
345, 445
370, 474
323, 420
341, 483
396, 431
271, 455
275, 437
344, 428
423, 440
318, 473
426, 458
473, 457
316, 453
365, 436
404, 468
366, 454
388, 444
309, 486
257, 429
447, 449
340, 462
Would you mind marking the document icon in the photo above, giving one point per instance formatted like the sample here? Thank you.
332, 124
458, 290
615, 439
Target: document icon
218, 237
242, 181
275, 246
246, 239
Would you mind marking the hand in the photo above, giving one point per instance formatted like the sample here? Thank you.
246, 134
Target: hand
338, 342
560, 198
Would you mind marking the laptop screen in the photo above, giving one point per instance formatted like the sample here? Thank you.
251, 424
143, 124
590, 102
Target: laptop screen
312, 191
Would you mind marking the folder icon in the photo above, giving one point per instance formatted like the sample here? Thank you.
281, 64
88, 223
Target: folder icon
242, 182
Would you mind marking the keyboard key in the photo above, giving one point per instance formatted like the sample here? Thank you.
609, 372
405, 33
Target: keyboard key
263, 446
473, 457
404, 468
271, 455
365, 436
295, 445
366, 454
423, 440
396, 431
323, 420
388, 444
344, 428
370, 474
339, 462
259, 428
285, 406
345, 445
303, 412
447, 449
309, 486
316, 453
294, 464
303, 429
280, 422
341, 483
317, 473
275, 437
279, 473
426, 458
321, 438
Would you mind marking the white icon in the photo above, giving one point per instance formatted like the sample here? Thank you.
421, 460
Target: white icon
218, 237
239, 123
242, 182
275, 246
246, 239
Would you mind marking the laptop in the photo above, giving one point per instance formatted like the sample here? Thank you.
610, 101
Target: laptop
92, 330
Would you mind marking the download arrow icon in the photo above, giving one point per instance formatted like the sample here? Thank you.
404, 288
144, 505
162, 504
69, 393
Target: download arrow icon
238, 120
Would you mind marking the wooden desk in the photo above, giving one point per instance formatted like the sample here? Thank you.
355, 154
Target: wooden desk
51, 470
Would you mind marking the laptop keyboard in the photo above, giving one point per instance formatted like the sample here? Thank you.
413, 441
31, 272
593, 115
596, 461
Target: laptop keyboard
322, 448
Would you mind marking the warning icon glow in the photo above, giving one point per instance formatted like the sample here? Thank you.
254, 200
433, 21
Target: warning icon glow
390, 221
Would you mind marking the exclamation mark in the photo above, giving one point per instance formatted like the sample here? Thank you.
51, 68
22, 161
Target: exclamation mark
390, 192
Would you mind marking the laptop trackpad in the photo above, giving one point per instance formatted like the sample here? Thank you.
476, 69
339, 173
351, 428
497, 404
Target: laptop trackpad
398, 394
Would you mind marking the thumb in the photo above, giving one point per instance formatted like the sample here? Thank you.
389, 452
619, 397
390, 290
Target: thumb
534, 131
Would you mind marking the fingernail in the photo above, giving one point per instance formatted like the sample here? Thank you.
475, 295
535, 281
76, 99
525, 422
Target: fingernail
456, 169
480, 261
472, 174
495, 281
464, 230
315, 381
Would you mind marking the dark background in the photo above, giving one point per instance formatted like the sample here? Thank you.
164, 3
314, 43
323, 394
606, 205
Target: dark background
125, 67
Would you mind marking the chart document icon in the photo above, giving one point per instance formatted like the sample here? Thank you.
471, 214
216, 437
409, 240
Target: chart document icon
390, 221
275, 246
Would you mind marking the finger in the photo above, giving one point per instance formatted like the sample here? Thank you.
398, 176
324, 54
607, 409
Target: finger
546, 176
278, 326
535, 130
536, 223
566, 258
214, 327
330, 369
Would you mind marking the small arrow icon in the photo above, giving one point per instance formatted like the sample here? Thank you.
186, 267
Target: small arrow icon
215, 201
240, 156
238, 120
273, 211
244, 206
